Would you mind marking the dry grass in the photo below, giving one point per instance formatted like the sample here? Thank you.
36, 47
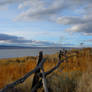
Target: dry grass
85, 83
75, 77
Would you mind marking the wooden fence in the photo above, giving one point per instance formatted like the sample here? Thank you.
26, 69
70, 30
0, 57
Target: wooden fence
39, 79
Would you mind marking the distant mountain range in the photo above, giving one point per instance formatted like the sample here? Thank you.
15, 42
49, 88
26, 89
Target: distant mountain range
12, 47
26, 47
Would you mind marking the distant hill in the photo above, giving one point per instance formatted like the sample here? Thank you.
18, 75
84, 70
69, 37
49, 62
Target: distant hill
31, 47
12, 47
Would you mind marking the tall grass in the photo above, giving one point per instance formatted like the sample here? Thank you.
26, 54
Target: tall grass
74, 75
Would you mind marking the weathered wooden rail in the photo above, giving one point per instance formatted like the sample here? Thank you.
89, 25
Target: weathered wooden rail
39, 79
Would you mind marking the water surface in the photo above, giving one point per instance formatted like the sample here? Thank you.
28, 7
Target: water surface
9, 53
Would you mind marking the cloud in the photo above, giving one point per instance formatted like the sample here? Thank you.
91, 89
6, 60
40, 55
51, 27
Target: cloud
38, 9
85, 28
42, 9
13, 39
70, 20
5, 2
53, 10
82, 24
78, 24
10, 39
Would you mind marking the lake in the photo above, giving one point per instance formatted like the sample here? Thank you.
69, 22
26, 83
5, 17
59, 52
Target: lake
9, 53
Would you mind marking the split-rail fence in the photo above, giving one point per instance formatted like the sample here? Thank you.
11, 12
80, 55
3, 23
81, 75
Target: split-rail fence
39, 79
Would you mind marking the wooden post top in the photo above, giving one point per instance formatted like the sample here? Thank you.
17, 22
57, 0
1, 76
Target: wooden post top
60, 54
40, 54
40, 57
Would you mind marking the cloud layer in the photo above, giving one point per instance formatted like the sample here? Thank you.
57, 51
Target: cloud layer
10, 39
77, 14
13, 39
54, 11
39, 9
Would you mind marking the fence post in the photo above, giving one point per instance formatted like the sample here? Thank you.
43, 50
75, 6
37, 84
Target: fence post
60, 55
36, 76
44, 80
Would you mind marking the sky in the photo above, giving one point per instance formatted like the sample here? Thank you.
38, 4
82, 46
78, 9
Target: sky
46, 22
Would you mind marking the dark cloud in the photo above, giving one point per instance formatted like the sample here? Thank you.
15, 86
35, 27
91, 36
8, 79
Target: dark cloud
85, 28
70, 20
78, 24
13, 39
5, 38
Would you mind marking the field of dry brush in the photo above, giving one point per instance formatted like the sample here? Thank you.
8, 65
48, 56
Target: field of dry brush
74, 75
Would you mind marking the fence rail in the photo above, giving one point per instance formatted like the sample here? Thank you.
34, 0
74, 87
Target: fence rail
39, 79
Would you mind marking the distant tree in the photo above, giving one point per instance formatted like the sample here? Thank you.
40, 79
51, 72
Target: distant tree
81, 44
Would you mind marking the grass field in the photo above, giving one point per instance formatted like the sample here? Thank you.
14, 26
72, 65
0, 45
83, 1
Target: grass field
75, 75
